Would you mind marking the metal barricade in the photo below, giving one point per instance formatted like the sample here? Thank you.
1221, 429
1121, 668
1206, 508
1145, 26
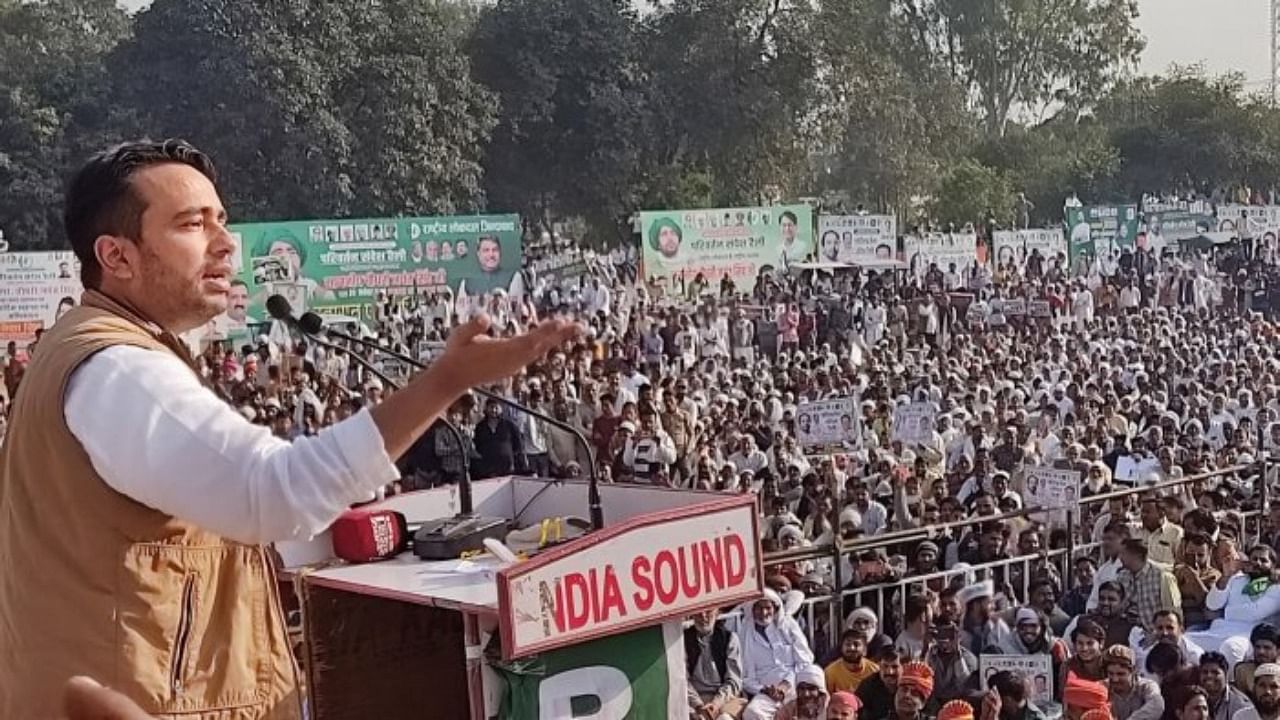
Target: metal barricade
825, 613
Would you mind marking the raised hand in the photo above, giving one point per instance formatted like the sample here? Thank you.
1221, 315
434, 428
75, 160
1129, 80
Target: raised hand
472, 358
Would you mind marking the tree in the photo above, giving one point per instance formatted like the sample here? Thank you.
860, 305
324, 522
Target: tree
888, 124
971, 192
314, 109
1027, 54
52, 99
731, 89
570, 93
1190, 132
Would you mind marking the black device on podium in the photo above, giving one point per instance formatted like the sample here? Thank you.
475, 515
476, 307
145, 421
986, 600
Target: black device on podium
447, 538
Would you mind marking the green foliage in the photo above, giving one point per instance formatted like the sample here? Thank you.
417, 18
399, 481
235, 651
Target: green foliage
1027, 53
971, 192
566, 74
52, 90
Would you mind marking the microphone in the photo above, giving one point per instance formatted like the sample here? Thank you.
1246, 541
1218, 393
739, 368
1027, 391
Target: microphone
362, 535
312, 323
439, 539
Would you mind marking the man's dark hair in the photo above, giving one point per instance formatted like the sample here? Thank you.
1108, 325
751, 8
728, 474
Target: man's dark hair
1167, 612
1136, 546
1214, 658
1009, 684
852, 633
1165, 657
1113, 586
101, 199
1197, 538
1117, 527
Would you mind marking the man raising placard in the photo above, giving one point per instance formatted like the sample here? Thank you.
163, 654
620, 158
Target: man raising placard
135, 504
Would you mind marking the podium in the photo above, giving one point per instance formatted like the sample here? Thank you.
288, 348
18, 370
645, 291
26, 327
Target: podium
593, 622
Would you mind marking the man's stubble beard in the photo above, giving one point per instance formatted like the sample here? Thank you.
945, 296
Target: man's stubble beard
181, 300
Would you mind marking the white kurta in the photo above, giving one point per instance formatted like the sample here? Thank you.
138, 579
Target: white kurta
1230, 634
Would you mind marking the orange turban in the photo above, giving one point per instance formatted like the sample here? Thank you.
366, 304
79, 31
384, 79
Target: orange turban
1084, 694
956, 710
917, 676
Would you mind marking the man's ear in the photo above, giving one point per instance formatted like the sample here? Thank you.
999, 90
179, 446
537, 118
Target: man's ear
114, 256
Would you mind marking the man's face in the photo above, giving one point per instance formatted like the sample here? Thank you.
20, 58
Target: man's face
1266, 694
705, 621
890, 672
1152, 518
1119, 678
238, 303
1108, 603
788, 230
179, 270
763, 612
1261, 561
1213, 679
1029, 632
1084, 573
1168, 628
841, 712
1196, 554
490, 255
1264, 651
808, 699
908, 703
1042, 597
852, 649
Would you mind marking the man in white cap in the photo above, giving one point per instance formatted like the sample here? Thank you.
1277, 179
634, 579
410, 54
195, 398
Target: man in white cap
1266, 695
981, 627
774, 649
811, 696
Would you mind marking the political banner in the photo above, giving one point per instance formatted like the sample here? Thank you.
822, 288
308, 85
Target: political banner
857, 239
1036, 669
1164, 224
1249, 222
913, 422
942, 250
1048, 487
564, 268
680, 245
639, 675
341, 266
1013, 307
36, 288
1100, 230
828, 424
1015, 246
1039, 309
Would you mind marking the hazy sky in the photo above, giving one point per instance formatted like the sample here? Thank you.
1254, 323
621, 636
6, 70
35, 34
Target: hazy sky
1223, 34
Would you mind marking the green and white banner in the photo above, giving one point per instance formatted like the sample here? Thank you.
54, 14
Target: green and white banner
341, 266
638, 675
1100, 229
679, 245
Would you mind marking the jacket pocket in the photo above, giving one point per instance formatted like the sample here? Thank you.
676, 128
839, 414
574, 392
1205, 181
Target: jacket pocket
192, 627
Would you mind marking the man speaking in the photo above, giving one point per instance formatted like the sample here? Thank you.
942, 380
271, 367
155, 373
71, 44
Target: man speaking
134, 504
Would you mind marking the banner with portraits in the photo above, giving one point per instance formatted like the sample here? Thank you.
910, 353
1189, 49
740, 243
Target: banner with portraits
1165, 224
1037, 670
1015, 246
942, 250
828, 424
1095, 230
680, 245
1249, 222
913, 423
857, 239
1049, 487
36, 288
342, 266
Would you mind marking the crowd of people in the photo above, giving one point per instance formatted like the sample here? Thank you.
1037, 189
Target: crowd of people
1144, 371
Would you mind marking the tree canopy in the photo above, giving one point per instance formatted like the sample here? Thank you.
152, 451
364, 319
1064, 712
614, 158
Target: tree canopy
591, 109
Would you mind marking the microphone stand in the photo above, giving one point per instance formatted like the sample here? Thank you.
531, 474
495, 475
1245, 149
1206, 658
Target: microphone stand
595, 507
465, 501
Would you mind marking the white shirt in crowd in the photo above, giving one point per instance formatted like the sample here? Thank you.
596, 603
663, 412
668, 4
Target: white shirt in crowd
156, 434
